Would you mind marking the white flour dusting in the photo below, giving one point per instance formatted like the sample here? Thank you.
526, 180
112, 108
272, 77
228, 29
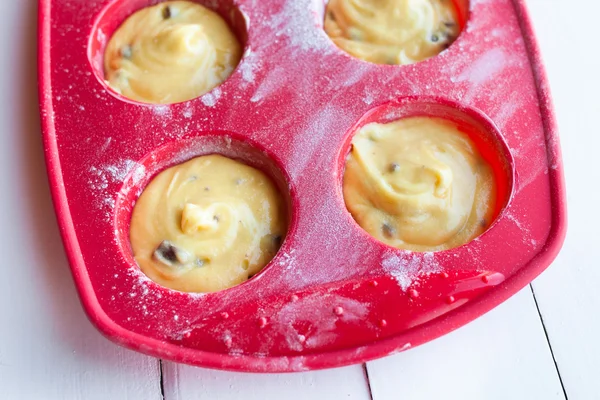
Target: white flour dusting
407, 267
188, 111
101, 178
512, 218
287, 260
250, 62
317, 309
484, 68
299, 21
304, 147
120, 171
162, 110
507, 109
481, 71
272, 82
211, 98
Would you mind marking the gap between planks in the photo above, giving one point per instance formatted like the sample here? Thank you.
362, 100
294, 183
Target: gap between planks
537, 306
162, 379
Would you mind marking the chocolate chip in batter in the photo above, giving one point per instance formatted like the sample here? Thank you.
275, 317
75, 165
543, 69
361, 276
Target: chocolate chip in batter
388, 230
394, 167
271, 243
277, 239
171, 255
166, 12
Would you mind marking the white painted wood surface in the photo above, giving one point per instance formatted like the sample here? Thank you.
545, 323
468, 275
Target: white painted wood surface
502, 355
187, 383
48, 350
569, 293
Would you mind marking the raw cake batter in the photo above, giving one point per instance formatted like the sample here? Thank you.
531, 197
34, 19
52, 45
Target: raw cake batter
207, 224
419, 184
170, 52
392, 31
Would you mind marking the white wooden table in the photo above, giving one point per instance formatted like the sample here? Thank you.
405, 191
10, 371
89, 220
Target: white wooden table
544, 343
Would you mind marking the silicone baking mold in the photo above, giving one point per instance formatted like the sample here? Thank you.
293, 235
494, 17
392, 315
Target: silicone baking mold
332, 295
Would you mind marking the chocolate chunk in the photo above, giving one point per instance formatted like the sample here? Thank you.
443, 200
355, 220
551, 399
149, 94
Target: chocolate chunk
166, 12
171, 255
394, 167
388, 230
271, 243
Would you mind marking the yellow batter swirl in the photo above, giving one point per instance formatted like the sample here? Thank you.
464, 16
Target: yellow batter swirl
419, 184
171, 52
392, 31
207, 224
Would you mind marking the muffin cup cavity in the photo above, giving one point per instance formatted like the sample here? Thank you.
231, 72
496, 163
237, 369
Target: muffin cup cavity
174, 153
115, 13
479, 128
453, 30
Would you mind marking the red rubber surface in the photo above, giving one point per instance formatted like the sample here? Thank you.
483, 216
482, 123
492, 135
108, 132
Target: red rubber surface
332, 296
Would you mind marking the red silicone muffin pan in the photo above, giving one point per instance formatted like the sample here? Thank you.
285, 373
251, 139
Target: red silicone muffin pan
332, 295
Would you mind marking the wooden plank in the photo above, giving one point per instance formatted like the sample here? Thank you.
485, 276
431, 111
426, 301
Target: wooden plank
48, 350
567, 293
188, 383
502, 355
